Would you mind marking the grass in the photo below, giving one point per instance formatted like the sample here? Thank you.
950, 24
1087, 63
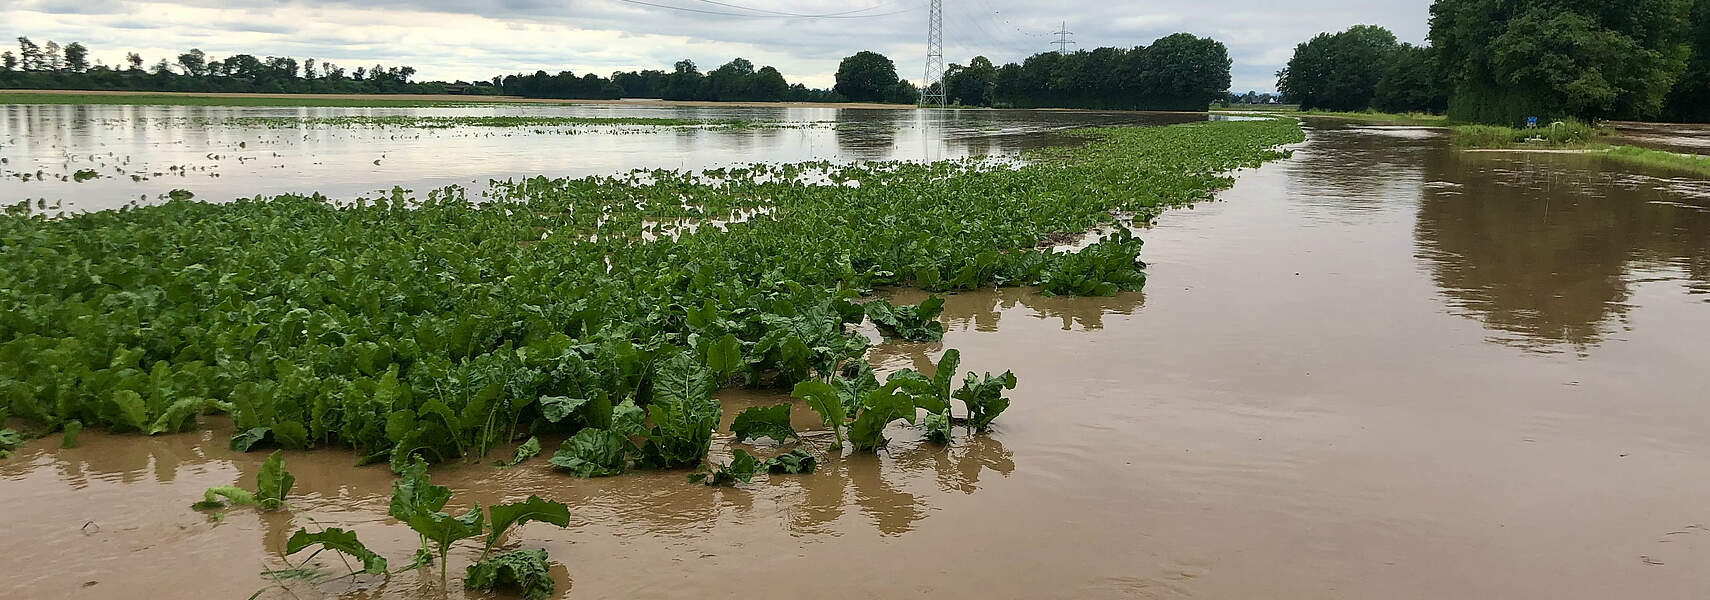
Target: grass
1561, 134
1634, 155
7, 97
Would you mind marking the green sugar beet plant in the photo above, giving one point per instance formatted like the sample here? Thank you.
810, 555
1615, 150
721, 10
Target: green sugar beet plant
443, 326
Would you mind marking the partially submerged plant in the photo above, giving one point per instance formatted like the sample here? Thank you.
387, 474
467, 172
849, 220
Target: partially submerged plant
272, 483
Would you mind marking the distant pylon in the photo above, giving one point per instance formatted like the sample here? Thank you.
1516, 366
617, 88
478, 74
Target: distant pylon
1063, 40
934, 57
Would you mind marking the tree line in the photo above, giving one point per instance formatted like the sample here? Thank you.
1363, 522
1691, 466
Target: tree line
50, 66
1176, 72
1502, 61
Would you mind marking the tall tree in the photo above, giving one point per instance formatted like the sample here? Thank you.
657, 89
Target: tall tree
1338, 71
1411, 82
29, 54
866, 77
76, 57
1509, 59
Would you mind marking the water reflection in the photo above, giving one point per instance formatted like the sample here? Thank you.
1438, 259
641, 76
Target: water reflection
147, 151
1547, 249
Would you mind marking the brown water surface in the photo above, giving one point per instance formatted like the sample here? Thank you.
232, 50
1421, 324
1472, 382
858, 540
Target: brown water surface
1378, 369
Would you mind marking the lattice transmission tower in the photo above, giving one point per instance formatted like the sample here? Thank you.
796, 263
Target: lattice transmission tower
934, 57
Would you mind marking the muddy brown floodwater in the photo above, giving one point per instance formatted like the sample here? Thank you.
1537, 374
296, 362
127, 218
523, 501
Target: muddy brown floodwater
1378, 369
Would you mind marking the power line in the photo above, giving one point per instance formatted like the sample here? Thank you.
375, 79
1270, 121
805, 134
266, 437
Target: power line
755, 16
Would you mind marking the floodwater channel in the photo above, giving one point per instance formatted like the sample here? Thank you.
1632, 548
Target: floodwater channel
1381, 368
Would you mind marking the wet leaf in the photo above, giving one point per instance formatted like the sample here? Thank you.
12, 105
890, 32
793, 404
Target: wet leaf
526, 571
592, 453
505, 516
337, 540
756, 422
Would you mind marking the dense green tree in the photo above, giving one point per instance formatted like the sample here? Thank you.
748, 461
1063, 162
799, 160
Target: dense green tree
1690, 98
1509, 59
973, 85
1411, 82
8, 62
1338, 71
866, 77
1177, 72
76, 57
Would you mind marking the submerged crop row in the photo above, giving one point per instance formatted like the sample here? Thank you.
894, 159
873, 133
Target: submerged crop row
447, 326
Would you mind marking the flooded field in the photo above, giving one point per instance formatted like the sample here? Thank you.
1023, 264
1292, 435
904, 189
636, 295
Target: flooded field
1378, 369
132, 153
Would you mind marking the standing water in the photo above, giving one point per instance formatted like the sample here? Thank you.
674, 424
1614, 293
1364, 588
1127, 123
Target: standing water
1381, 368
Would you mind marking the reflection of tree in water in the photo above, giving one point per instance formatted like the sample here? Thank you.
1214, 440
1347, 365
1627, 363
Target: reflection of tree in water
981, 310
1544, 247
866, 134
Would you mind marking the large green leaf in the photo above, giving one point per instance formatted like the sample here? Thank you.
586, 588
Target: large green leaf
878, 409
724, 356
337, 540
824, 399
742, 468
756, 422
273, 482
529, 449
413, 494
524, 570
504, 516
794, 461
558, 408
592, 453
984, 397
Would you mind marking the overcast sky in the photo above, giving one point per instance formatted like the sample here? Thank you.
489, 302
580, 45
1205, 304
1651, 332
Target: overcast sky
476, 39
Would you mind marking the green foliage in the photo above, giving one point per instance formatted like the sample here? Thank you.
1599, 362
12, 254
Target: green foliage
529, 449
826, 401
878, 409
1339, 71
505, 516
401, 327
912, 323
1103, 268
683, 412
741, 468
337, 540
937, 426
866, 77
1509, 60
10, 439
71, 429
1176, 72
593, 453
756, 422
523, 570
796, 461
1570, 132
984, 397
272, 483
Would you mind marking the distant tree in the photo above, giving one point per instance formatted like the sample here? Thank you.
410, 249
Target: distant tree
76, 57
194, 62
769, 85
684, 82
1411, 82
309, 68
973, 85
866, 77
51, 60
1338, 71
29, 54
1509, 59
8, 61
134, 60
1184, 72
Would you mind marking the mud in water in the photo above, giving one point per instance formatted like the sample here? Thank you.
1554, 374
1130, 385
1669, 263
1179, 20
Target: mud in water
1379, 369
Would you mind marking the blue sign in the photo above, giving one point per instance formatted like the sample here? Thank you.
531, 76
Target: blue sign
1531, 121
